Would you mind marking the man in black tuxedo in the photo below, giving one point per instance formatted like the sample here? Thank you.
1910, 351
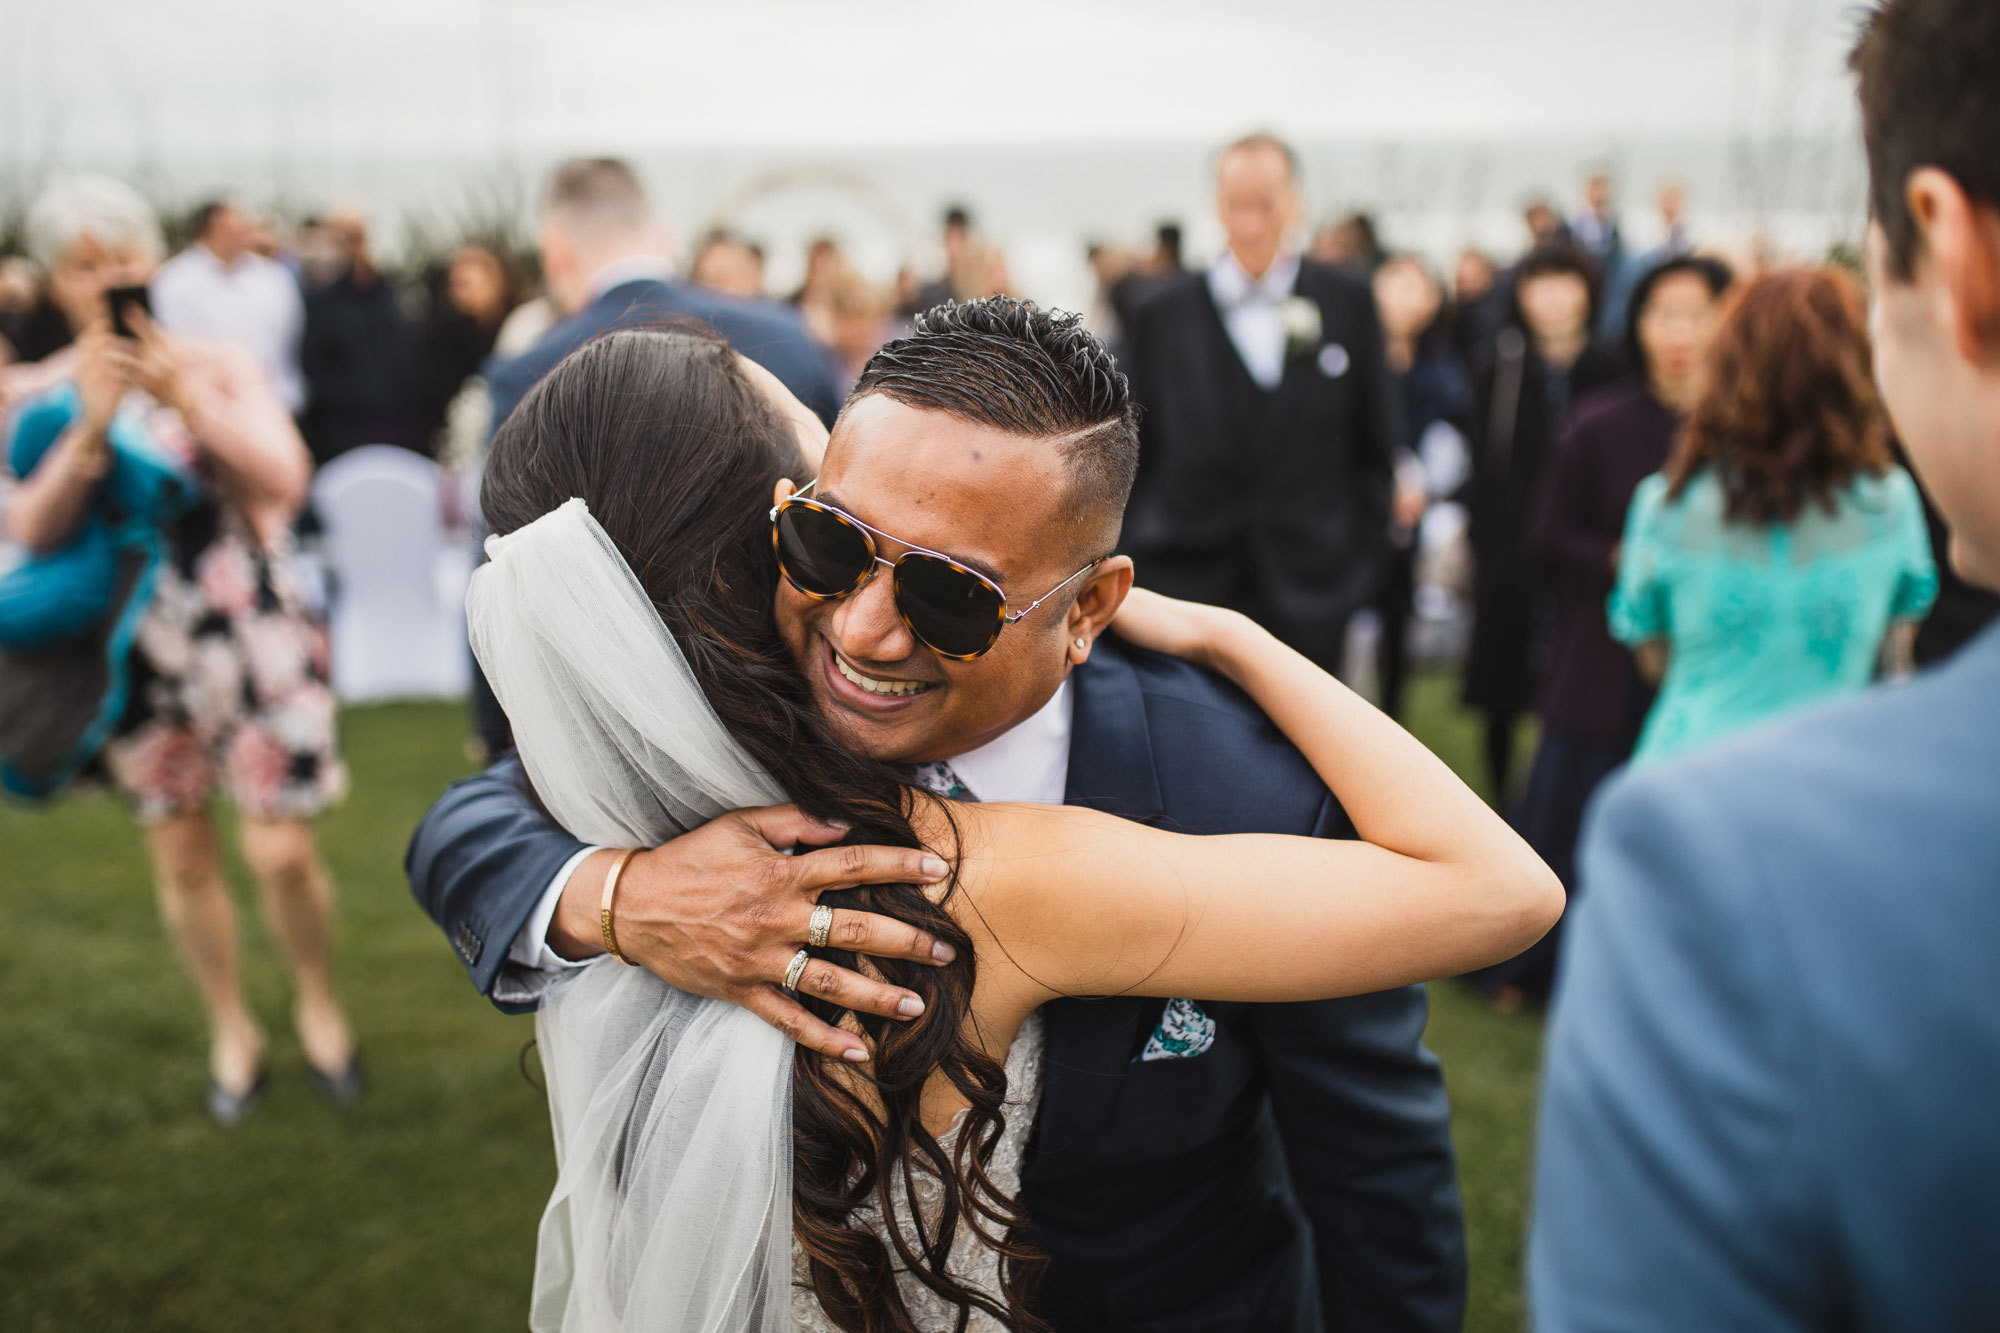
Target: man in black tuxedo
1201, 1168
1266, 461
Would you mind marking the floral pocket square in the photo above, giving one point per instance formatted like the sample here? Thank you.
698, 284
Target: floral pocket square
1184, 1032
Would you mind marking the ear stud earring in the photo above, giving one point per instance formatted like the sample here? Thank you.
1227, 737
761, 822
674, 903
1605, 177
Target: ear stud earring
1081, 644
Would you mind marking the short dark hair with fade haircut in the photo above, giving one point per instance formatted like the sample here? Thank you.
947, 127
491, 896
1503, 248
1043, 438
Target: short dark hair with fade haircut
1015, 367
1929, 76
593, 195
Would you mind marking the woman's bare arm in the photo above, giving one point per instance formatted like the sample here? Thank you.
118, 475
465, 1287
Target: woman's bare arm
1077, 902
228, 404
44, 510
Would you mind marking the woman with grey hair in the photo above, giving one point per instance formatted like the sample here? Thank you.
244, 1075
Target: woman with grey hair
227, 672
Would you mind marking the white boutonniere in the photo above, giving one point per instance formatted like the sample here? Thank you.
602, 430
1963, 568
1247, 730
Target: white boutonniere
1300, 316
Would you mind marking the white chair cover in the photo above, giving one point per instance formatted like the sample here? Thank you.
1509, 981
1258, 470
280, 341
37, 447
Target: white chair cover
399, 577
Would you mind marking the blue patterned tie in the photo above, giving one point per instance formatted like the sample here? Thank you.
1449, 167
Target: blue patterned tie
938, 779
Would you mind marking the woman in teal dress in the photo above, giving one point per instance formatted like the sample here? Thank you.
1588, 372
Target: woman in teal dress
1781, 557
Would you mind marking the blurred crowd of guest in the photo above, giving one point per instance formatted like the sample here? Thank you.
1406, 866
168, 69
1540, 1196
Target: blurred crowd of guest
1336, 439
1661, 485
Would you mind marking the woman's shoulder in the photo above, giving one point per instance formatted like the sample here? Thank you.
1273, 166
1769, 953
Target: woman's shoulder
1893, 488
1008, 834
1651, 495
223, 362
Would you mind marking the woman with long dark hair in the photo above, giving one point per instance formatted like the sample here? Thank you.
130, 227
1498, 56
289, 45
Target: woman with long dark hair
626, 621
1781, 557
1592, 698
1543, 361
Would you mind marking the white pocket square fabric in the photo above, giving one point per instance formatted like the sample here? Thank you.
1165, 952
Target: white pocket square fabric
1184, 1032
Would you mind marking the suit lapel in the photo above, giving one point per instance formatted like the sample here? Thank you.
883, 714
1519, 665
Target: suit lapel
1091, 1041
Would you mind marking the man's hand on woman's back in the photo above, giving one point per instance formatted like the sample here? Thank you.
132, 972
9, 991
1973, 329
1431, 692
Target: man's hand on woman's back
721, 911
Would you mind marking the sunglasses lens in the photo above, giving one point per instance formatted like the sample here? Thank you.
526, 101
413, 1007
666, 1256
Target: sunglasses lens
819, 553
953, 611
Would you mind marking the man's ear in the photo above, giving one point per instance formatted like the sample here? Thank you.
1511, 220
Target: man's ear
1961, 241
1102, 594
559, 265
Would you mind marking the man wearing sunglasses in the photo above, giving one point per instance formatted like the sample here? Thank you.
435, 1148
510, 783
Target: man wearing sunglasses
947, 584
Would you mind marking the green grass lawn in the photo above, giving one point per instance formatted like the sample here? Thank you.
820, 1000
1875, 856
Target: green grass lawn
122, 1207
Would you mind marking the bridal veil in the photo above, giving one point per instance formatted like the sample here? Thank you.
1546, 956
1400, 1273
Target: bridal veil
672, 1113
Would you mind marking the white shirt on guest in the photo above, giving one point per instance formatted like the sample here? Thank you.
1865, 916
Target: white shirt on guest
254, 302
1027, 762
1251, 311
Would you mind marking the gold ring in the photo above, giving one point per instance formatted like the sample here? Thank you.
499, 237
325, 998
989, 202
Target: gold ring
797, 969
821, 927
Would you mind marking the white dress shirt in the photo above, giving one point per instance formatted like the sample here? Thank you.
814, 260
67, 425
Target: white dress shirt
254, 301
1251, 312
1027, 762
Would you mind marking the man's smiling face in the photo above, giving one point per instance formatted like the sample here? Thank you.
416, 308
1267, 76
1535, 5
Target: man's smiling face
992, 500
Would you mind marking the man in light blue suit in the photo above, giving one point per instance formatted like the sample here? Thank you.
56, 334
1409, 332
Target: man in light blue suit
1772, 1096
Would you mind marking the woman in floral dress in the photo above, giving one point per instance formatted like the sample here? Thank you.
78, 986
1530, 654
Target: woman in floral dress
229, 675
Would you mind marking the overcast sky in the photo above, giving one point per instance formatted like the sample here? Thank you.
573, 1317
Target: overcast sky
106, 80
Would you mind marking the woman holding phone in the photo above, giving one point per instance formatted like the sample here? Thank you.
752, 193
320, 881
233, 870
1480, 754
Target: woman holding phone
227, 684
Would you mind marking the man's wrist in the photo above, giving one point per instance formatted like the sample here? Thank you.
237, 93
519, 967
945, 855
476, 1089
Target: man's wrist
574, 932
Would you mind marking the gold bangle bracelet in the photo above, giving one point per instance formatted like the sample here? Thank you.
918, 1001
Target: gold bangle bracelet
604, 908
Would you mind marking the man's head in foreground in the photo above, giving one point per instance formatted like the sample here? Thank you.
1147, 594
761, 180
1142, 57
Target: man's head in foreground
1929, 76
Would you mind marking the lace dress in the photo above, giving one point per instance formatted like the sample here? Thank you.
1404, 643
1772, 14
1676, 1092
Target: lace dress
971, 1262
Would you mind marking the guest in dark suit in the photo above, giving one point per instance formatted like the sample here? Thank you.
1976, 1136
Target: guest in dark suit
603, 258
1269, 426
1282, 1167
1593, 698
1543, 361
1770, 1080
359, 355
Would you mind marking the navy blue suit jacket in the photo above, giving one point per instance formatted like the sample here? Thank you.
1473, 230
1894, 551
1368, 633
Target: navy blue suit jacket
1296, 1176
768, 333
1772, 1074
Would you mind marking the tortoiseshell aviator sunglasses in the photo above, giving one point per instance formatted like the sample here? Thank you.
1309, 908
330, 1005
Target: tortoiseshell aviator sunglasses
956, 612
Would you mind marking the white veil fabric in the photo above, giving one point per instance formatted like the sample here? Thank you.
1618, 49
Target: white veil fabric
673, 1202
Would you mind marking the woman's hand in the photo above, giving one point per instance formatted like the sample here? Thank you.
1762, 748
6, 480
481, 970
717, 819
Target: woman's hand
1187, 630
157, 365
100, 386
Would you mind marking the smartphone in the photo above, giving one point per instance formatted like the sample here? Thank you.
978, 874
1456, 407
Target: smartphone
119, 298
